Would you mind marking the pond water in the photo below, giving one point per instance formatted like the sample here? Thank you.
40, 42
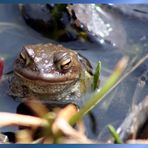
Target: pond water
129, 36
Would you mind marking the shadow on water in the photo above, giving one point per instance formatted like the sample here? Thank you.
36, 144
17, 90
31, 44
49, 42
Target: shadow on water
129, 36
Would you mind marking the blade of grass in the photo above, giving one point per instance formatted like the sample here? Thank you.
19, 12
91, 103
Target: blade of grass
97, 76
114, 134
98, 95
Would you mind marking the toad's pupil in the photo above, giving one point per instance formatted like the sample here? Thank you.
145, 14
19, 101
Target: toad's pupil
63, 65
66, 61
22, 55
62, 60
26, 59
66, 64
59, 56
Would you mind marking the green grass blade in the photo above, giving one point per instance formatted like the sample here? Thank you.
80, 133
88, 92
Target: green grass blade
98, 95
114, 134
97, 76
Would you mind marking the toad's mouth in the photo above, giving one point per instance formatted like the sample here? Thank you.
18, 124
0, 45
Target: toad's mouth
46, 78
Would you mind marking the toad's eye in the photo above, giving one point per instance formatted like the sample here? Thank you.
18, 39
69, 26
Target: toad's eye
62, 60
25, 57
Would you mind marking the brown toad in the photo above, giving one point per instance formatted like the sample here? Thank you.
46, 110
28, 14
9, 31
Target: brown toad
50, 72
